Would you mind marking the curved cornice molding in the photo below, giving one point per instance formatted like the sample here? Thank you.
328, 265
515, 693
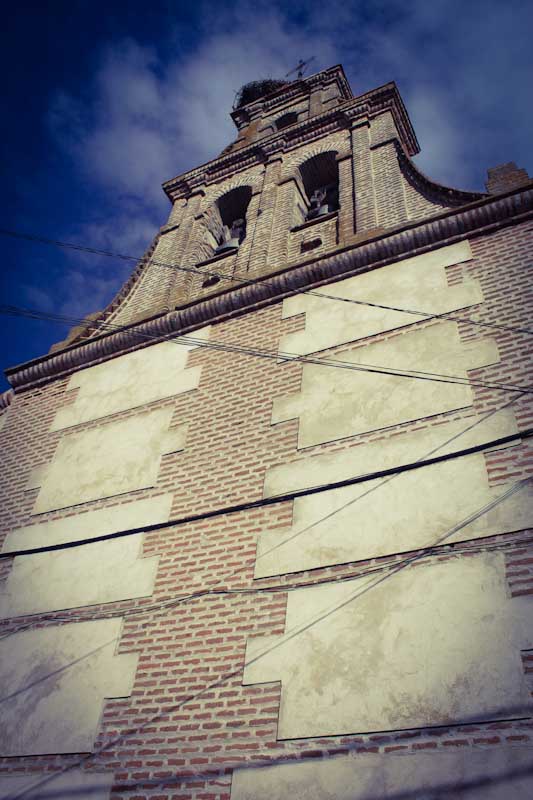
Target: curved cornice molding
435, 191
89, 326
411, 239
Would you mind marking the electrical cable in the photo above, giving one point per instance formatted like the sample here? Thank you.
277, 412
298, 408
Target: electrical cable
236, 278
250, 563
186, 340
173, 602
281, 640
274, 500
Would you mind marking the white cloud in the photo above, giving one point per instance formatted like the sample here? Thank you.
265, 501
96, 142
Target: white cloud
148, 121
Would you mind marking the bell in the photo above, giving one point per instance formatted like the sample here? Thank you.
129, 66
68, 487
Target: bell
229, 244
318, 212
318, 206
232, 236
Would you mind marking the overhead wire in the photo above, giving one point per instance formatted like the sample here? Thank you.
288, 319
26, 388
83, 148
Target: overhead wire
250, 563
272, 500
160, 715
187, 340
173, 602
288, 356
244, 280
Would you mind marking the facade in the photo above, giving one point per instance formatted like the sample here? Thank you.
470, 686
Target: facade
267, 517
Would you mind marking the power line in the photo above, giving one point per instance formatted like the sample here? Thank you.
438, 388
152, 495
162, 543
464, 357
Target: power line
11, 310
176, 601
283, 639
524, 434
245, 281
199, 593
437, 791
173, 602
274, 500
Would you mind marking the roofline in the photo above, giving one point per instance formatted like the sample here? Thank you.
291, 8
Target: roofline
370, 103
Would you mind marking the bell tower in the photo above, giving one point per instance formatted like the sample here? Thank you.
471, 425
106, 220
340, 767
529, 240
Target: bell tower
313, 170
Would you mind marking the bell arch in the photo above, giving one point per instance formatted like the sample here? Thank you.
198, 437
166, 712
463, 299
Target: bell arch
319, 180
224, 222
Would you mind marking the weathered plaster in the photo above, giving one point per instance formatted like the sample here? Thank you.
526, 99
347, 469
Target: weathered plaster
72, 784
414, 509
96, 573
129, 381
116, 457
424, 645
417, 283
491, 774
335, 403
54, 681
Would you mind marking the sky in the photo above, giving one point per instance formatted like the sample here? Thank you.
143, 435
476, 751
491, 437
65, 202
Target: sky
103, 102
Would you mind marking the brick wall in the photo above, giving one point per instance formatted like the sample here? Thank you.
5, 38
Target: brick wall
189, 720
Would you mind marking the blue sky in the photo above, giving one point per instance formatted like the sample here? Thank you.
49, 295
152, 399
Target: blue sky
105, 101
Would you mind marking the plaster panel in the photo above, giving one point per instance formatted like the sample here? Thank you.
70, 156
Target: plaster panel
114, 458
129, 381
417, 283
412, 510
69, 785
336, 403
54, 681
90, 574
490, 774
430, 644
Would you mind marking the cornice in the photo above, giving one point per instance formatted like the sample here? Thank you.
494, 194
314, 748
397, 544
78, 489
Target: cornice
341, 117
432, 189
483, 216
301, 87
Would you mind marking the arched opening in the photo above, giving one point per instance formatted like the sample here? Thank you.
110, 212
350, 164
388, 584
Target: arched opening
287, 119
224, 223
320, 179
232, 208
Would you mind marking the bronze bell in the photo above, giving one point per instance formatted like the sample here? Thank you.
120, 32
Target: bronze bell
232, 236
318, 207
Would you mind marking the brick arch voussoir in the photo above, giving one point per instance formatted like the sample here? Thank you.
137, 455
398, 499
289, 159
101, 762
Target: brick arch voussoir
292, 165
253, 181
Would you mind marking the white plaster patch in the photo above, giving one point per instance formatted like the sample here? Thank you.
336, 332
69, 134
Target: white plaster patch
411, 510
54, 681
71, 784
425, 645
102, 572
336, 403
114, 458
37, 476
490, 774
132, 380
417, 283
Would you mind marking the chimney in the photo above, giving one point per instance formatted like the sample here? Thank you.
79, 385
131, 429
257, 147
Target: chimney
506, 177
